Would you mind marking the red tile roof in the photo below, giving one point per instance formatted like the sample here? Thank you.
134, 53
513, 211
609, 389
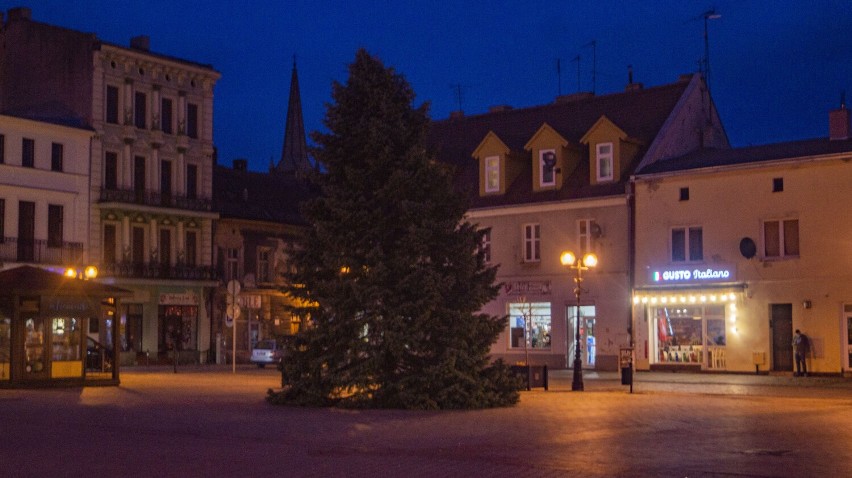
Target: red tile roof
641, 113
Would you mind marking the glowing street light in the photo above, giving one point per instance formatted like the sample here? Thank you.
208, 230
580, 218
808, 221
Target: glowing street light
570, 261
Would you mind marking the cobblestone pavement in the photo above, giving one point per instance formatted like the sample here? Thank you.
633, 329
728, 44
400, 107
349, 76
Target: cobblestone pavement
206, 421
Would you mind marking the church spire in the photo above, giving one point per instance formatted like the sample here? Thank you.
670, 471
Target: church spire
294, 154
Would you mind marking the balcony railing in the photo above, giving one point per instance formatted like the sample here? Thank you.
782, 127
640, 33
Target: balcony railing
155, 270
39, 251
155, 198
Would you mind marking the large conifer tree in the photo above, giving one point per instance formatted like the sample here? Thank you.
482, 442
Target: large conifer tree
390, 273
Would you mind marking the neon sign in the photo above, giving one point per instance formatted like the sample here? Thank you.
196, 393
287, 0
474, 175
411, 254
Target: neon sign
692, 275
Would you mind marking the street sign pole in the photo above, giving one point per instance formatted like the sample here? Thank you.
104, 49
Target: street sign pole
234, 311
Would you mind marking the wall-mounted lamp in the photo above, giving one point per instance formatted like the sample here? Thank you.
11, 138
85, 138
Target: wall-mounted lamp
807, 304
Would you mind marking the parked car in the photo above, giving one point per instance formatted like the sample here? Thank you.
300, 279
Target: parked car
266, 352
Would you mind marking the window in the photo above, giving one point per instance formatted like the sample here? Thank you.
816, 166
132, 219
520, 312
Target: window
585, 229
191, 181
532, 242
139, 178
138, 245
166, 116
140, 110
687, 244
54, 225
112, 104
2, 149
604, 162
547, 167
111, 170
165, 247
56, 150
26, 231
781, 238
192, 120
485, 247
2, 220
263, 254
684, 194
492, 174
529, 325
191, 248
28, 153
777, 185
232, 263
110, 243
166, 182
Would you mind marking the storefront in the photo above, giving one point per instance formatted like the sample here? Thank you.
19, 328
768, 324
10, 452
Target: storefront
686, 319
45, 330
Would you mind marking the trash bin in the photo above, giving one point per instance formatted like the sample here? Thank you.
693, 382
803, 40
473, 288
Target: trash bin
531, 375
627, 375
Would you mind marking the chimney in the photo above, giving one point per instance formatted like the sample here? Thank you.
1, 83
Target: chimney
240, 164
838, 122
582, 95
499, 108
458, 114
141, 42
20, 13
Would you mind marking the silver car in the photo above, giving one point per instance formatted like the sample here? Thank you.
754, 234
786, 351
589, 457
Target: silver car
266, 352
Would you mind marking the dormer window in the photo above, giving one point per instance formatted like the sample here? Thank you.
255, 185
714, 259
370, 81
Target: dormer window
547, 167
603, 162
492, 174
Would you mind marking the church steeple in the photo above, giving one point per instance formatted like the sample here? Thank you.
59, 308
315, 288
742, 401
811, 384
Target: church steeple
294, 153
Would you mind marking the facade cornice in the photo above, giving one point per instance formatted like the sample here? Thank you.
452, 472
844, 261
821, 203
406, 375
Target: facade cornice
774, 163
519, 209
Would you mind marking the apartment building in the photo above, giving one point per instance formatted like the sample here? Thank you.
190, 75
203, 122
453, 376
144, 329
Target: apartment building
149, 224
555, 177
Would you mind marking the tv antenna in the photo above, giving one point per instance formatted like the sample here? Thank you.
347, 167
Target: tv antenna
704, 64
458, 87
594, 45
577, 59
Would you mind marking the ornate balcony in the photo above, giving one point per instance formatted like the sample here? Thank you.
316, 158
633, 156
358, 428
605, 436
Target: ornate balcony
155, 198
155, 270
39, 251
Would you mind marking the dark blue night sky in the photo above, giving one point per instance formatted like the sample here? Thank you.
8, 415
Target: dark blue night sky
776, 67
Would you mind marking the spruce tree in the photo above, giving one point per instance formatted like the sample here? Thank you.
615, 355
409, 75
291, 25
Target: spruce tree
389, 274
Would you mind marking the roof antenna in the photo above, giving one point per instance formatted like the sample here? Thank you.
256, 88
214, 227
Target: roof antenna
629, 74
843, 100
594, 45
577, 59
559, 77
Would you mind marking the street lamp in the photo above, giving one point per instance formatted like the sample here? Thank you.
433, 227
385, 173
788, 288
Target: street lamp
588, 261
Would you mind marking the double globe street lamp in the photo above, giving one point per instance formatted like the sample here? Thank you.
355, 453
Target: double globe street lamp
588, 261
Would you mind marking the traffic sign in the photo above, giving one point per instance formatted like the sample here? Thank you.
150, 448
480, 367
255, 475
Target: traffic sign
233, 287
233, 311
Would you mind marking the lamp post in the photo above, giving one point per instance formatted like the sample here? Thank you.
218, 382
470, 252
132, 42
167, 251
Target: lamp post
588, 261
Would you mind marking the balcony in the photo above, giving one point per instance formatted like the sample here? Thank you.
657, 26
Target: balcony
155, 270
156, 199
39, 251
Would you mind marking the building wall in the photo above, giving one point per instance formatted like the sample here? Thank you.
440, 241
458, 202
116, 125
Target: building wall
731, 205
605, 287
39, 184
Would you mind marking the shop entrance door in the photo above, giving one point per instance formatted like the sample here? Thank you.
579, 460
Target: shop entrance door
588, 343
848, 309
35, 366
781, 322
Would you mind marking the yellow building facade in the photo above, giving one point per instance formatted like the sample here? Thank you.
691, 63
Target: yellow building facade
737, 249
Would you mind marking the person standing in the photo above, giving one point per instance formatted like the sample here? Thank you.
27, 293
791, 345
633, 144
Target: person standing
800, 350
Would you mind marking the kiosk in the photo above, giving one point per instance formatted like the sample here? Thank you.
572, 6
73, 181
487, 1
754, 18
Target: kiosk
45, 337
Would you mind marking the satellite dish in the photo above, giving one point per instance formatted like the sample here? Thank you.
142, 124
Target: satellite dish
748, 248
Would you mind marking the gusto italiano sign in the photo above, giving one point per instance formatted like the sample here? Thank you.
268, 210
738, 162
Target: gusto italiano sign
692, 275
